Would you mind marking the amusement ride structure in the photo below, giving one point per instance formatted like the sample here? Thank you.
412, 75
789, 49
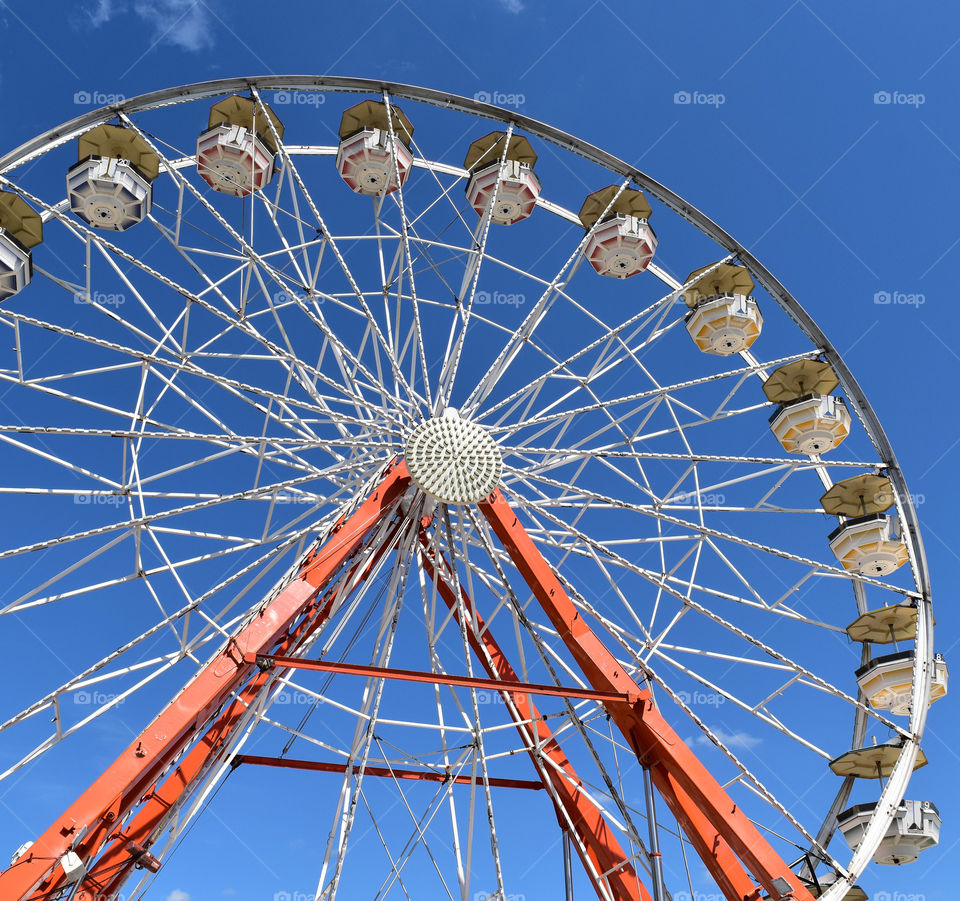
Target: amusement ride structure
371, 432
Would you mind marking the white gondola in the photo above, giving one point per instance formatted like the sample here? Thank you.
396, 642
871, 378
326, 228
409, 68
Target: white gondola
108, 193
516, 184
914, 829
367, 159
235, 155
725, 324
16, 265
811, 425
887, 681
869, 545
111, 185
621, 242
20, 231
724, 318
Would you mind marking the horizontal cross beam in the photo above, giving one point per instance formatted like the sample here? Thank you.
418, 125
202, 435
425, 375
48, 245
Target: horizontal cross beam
386, 772
409, 675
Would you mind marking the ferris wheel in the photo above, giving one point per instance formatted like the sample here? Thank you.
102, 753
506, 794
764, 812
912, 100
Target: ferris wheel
458, 469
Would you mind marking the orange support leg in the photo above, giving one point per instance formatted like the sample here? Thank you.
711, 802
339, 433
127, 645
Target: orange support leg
91, 821
113, 867
652, 738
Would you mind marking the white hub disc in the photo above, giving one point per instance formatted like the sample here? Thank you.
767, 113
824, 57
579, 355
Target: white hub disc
453, 460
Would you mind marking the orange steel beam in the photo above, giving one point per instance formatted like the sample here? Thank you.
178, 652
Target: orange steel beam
319, 766
652, 738
604, 854
409, 675
93, 818
112, 868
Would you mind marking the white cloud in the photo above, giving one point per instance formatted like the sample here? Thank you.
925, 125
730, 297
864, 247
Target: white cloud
178, 895
101, 13
512, 6
732, 740
186, 23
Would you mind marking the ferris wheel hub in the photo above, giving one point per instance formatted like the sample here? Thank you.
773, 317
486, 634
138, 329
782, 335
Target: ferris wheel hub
452, 459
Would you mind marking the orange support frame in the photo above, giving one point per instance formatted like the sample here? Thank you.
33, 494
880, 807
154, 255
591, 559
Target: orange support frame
678, 774
93, 819
107, 875
130, 789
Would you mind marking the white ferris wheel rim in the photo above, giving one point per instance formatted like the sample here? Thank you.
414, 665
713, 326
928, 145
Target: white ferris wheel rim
896, 784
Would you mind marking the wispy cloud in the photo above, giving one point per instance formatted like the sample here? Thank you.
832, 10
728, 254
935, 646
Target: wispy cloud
178, 895
732, 740
187, 24
101, 13
512, 6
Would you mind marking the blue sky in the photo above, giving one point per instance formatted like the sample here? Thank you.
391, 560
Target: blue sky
823, 136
